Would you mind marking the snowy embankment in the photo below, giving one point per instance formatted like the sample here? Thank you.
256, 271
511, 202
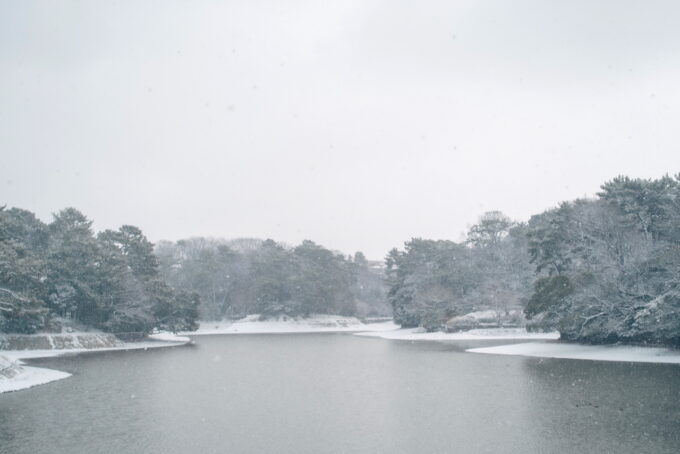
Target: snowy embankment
417, 334
624, 353
312, 324
14, 375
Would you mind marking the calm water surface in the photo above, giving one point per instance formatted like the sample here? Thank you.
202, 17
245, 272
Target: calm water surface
337, 393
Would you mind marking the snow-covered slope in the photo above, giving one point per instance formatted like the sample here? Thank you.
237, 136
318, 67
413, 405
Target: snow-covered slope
313, 324
14, 376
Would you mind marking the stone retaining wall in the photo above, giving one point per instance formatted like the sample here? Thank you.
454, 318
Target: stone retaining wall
58, 341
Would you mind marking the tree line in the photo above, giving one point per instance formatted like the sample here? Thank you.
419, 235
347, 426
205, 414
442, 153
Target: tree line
241, 277
62, 273
604, 269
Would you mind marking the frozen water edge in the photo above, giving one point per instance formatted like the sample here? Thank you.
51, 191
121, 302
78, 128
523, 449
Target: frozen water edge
313, 324
622, 353
414, 334
33, 376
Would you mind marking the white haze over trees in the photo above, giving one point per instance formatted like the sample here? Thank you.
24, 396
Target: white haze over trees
357, 123
242, 277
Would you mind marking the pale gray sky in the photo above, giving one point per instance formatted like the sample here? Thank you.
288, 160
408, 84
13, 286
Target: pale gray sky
357, 124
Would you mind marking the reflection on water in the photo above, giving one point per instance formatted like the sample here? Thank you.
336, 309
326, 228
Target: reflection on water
341, 393
621, 407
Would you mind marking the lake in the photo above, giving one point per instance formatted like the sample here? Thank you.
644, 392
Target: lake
338, 393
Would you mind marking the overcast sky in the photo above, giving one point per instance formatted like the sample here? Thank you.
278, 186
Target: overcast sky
357, 124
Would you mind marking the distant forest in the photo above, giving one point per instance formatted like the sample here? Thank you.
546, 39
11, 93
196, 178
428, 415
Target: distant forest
240, 277
601, 270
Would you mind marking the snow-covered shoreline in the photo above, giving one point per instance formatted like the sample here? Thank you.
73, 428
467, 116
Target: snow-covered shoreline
622, 353
290, 325
542, 349
18, 376
29, 376
415, 334
337, 324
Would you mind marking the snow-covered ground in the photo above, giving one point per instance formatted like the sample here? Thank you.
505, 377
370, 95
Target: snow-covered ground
416, 334
26, 376
589, 352
169, 337
313, 324
159, 340
14, 377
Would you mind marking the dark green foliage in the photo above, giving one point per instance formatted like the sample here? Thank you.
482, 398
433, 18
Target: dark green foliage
72, 258
20, 313
549, 292
137, 250
173, 311
22, 270
110, 281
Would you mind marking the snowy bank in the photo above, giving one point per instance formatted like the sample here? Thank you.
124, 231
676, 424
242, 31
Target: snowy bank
14, 375
417, 334
312, 324
588, 352
169, 337
159, 340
